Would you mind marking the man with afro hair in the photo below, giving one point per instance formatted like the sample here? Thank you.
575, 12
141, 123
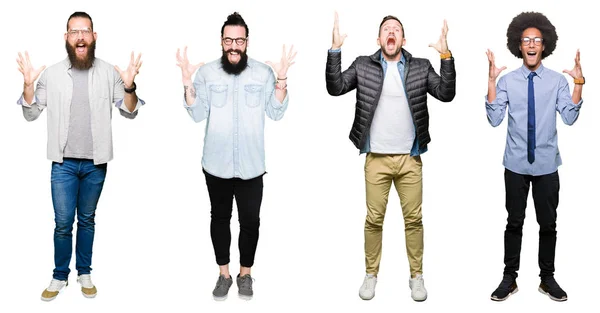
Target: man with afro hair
533, 94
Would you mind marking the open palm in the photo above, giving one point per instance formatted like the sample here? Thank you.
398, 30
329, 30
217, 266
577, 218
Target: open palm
187, 68
30, 74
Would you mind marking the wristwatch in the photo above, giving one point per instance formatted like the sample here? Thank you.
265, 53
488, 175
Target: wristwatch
132, 89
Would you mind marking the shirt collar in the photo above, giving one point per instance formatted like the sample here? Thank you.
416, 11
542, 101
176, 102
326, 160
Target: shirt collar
525, 71
402, 59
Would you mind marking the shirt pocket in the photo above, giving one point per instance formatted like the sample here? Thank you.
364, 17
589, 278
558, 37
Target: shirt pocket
218, 95
253, 95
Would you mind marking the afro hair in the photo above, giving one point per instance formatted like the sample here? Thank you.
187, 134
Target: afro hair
527, 20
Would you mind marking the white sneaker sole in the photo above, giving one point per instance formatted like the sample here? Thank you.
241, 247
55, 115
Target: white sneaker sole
550, 296
220, 298
244, 297
502, 299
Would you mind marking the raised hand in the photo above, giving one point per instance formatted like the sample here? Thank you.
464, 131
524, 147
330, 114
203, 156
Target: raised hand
284, 64
30, 74
128, 75
576, 71
187, 69
441, 45
494, 71
337, 40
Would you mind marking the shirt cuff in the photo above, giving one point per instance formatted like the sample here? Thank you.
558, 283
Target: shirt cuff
119, 105
335, 50
24, 103
195, 104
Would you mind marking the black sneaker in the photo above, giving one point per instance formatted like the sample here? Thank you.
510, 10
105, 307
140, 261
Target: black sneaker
507, 287
550, 287
244, 284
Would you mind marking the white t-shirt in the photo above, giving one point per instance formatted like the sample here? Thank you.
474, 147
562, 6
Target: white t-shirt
392, 129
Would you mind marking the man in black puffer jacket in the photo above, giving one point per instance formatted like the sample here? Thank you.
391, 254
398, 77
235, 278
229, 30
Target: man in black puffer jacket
391, 125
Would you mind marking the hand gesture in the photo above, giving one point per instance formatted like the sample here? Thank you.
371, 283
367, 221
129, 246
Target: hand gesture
494, 71
187, 69
287, 60
576, 71
128, 75
337, 41
30, 74
442, 45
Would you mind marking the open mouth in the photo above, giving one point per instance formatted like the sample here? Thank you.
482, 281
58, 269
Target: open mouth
391, 42
81, 47
531, 54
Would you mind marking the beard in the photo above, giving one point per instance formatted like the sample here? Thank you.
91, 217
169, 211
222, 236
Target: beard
237, 68
87, 61
393, 55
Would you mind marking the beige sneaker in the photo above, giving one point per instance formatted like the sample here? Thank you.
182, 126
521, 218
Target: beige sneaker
54, 289
87, 288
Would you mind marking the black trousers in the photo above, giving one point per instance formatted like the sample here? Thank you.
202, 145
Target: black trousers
248, 198
545, 198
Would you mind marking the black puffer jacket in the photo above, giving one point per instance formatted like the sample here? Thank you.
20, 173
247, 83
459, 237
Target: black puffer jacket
366, 74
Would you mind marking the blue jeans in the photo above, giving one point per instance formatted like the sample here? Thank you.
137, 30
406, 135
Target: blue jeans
76, 187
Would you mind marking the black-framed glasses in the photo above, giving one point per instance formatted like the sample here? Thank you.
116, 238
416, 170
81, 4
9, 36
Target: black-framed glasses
536, 40
239, 41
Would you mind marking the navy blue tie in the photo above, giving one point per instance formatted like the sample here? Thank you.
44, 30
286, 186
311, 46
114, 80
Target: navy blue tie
530, 119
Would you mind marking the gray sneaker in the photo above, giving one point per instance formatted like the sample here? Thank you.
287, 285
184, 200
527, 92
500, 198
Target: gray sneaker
245, 286
222, 288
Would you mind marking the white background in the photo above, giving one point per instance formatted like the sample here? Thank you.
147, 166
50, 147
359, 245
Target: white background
152, 250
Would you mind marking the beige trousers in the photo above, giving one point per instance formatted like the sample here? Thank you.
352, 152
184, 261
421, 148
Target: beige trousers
405, 172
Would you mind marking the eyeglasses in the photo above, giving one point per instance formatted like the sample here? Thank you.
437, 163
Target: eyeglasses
239, 41
536, 40
84, 31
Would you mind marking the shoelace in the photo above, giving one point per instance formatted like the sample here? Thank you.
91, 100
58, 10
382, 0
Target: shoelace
370, 282
246, 282
85, 281
55, 285
222, 282
418, 286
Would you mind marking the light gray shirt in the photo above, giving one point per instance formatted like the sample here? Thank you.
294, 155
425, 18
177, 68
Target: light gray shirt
79, 139
55, 91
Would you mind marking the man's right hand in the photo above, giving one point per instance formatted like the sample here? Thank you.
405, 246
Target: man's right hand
494, 71
29, 73
338, 40
187, 69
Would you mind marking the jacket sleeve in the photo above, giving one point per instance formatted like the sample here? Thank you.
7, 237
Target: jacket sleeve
338, 82
442, 87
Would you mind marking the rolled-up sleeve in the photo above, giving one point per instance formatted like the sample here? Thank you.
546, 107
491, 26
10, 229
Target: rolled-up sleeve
31, 111
198, 110
496, 110
274, 109
569, 111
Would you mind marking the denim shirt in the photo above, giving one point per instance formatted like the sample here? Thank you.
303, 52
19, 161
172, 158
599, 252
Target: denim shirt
552, 95
235, 107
